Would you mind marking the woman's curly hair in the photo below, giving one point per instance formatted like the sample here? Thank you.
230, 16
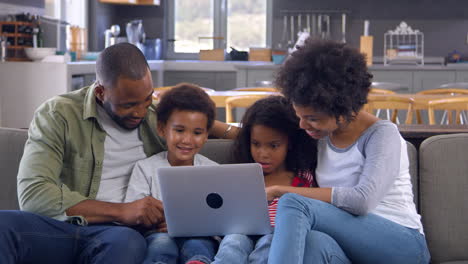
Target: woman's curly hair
327, 76
186, 96
277, 113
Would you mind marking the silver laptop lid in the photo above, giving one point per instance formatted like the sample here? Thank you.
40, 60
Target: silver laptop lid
214, 200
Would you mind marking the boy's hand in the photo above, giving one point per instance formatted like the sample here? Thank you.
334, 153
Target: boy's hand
162, 227
147, 212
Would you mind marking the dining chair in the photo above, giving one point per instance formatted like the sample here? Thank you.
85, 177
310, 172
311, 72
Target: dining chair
380, 91
457, 104
240, 101
165, 88
157, 91
444, 91
392, 104
389, 86
256, 89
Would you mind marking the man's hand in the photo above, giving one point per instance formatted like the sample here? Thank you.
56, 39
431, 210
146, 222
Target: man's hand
147, 212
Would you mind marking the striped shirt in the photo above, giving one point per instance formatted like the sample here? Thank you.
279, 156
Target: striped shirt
304, 179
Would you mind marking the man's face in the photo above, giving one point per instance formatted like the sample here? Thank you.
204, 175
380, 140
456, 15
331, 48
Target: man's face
128, 101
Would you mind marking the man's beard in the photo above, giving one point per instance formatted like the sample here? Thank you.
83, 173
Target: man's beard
117, 119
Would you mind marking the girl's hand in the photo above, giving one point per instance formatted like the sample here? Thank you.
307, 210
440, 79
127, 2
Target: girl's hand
272, 192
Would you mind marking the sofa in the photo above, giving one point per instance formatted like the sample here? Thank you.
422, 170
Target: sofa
439, 171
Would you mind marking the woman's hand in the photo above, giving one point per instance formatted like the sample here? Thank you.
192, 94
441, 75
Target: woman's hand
273, 192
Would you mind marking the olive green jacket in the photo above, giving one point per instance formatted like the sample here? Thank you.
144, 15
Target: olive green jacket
63, 156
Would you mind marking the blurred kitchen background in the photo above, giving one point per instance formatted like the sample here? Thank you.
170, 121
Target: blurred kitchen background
219, 44
444, 23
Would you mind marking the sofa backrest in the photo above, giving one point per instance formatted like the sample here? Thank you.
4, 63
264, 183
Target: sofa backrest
11, 150
443, 173
413, 170
218, 150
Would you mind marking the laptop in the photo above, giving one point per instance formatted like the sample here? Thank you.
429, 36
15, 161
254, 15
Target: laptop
214, 200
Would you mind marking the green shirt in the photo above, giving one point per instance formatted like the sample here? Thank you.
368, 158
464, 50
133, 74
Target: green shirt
63, 156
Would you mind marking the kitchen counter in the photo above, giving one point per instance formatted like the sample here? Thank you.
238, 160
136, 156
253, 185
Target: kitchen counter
86, 67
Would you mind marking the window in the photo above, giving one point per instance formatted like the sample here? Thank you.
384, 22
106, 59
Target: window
209, 24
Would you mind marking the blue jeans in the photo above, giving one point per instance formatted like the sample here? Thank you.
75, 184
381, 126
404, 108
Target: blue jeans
242, 249
312, 231
31, 238
163, 249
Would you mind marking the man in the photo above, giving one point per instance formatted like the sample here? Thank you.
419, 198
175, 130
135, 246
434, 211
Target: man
75, 168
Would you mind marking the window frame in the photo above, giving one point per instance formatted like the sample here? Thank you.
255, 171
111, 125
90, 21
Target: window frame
219, 28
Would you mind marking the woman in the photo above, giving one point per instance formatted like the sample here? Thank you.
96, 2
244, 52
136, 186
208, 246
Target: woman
363, 211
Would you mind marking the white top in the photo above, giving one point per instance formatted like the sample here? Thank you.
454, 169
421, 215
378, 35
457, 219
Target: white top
122, 149
144, 180
370, 176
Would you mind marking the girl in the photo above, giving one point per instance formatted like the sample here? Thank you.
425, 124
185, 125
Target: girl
185, 114
270, 136
363, 211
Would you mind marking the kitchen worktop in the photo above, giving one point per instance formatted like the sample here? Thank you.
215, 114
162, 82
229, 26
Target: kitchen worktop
84, 67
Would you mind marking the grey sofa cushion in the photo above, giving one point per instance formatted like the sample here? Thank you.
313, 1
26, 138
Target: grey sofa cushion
413, 169
443, 173
218, 150
11, 150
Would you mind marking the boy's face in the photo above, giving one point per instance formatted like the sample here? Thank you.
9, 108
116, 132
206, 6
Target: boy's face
185, 133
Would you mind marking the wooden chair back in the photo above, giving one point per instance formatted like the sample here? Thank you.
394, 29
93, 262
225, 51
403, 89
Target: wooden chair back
257, 89
157, 91
447, 91
240, 101
440, 91
380, 91
391, 104
454, 104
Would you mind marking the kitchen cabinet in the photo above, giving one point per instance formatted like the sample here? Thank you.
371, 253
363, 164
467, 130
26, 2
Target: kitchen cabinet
249, 77
215, 80
132, 2
405, 78
461, 76
425, 80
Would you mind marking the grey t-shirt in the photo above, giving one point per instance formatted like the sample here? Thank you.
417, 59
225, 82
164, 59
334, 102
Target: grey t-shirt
144, 180
371, 175
122, 149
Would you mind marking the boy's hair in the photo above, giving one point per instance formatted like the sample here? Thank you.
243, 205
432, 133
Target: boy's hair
328, 76
277, 113
188, 97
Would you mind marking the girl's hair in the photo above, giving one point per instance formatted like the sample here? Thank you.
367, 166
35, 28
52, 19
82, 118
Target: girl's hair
185, 96
328, 76
277, 113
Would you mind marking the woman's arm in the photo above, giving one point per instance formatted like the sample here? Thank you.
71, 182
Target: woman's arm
223, 130
322, 194
381, 168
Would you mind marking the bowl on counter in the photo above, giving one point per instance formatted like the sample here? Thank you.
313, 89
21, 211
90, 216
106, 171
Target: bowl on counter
37, 54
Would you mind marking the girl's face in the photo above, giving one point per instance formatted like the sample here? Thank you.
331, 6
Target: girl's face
269, 147
316, 124
185, 133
